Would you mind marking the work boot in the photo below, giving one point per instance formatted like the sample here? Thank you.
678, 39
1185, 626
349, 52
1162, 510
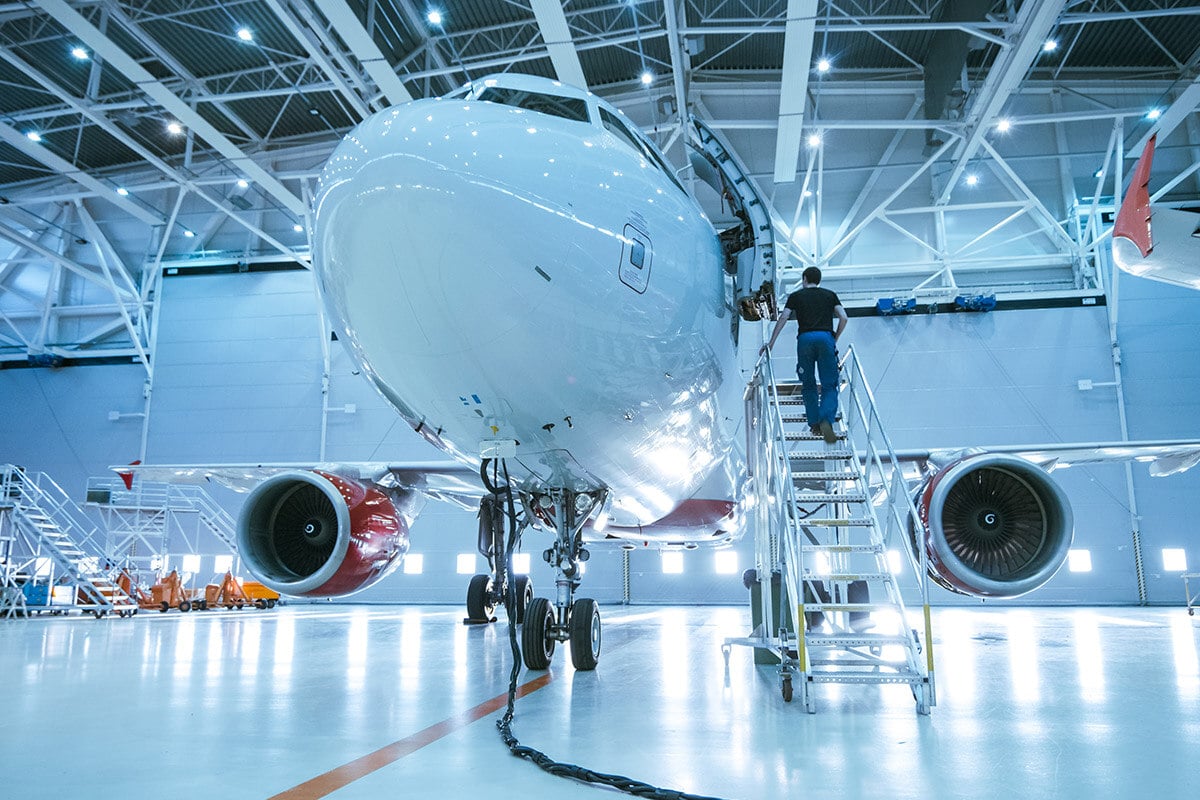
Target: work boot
827, 432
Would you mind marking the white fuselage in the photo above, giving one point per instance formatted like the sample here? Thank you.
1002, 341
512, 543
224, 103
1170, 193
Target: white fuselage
505, 274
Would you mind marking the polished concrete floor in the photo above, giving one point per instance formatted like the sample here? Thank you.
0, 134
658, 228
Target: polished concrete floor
390, 701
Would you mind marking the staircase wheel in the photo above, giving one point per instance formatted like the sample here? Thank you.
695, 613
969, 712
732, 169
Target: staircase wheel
261, 605
185, 606
271, 603
165, 606
787, 688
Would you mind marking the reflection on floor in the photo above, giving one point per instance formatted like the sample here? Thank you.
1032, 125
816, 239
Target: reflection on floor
1032, 703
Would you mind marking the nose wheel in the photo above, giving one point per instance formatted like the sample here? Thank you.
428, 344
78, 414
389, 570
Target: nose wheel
541, 633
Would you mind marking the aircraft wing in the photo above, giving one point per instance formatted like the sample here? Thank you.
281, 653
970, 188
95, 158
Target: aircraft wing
1165, 457
448, 481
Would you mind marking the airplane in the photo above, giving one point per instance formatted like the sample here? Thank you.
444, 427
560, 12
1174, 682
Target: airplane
516, 268
1153, 241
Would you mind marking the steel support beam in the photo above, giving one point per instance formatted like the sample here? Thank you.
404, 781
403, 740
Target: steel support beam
557, 36
65, 168
346, 23
117, 58
1034, 22
793, 93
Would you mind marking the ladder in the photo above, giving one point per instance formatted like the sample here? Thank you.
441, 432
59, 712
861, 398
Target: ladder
828, 518
148, 521
53, 541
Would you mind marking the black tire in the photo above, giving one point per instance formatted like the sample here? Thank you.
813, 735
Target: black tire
480, 605
787, 688
164, 607
261, 605
524, 592
185, 606
585, 634
536, 647
271, 603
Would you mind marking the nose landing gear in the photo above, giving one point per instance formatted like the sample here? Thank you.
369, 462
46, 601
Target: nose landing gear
567, 619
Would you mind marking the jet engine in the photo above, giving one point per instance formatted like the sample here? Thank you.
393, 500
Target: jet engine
318, 534
993, 525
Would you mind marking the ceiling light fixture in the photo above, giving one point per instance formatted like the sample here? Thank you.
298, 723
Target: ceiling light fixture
298, 228
434, 16
814, 140
188, 233
79, 53
243, 183
1050, 46
647, 78
174, 128
121, 190
33, 136
245, 35
972, 179
1154, 113
1003, 126
823, 65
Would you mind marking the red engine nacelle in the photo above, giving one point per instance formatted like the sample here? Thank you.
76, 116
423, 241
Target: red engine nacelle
317, 534
993, 525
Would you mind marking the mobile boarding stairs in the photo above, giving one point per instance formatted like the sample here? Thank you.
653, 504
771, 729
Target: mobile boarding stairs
831, 526
45, 541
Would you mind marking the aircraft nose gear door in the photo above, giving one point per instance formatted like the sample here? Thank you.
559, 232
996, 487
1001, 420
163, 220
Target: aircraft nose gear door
749, 246
566, 619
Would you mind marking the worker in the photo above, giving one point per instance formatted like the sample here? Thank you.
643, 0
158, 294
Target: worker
814, 310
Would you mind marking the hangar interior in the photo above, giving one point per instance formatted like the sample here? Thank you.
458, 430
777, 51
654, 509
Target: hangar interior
157, 162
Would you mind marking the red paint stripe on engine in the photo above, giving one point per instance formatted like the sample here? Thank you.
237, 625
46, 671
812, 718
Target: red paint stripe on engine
330, 782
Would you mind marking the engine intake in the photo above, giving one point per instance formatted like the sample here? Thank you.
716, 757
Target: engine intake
993, 525
318, 534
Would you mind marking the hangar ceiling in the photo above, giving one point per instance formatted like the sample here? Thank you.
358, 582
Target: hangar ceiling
917, 148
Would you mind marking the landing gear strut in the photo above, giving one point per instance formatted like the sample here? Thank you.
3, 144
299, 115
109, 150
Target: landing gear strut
485, 592
567, 619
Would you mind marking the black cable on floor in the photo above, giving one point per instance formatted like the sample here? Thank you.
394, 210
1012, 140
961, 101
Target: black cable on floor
504, 724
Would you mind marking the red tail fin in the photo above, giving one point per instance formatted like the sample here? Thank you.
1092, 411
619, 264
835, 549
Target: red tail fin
127, 475
1133, 220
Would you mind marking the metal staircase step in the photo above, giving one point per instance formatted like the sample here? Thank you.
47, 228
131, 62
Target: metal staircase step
818, 475
831, 454
806, 436
855, 640
900, 676
851, 607
842, 548
836, 523
825, 497
869, 577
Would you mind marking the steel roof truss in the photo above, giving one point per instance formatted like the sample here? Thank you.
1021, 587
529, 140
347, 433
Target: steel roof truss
116, 57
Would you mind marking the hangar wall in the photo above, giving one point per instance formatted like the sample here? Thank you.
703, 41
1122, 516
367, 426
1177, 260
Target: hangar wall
238, 378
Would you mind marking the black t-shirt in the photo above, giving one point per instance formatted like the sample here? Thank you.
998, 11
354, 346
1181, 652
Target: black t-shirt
812, 308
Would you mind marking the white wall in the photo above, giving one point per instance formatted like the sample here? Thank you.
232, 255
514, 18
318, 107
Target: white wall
238, 378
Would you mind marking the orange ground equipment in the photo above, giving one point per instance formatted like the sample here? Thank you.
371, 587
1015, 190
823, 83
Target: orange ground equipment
169, 593
232, 594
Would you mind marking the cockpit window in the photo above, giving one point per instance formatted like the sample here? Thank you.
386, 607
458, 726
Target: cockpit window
618, 127
572, 108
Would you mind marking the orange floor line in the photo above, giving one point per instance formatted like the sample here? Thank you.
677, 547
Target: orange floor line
326, 784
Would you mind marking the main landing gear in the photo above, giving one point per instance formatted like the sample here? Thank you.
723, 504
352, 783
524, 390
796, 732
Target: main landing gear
485, 592
566, 619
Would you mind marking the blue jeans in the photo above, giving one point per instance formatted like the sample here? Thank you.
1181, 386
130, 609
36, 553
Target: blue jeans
816, 356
